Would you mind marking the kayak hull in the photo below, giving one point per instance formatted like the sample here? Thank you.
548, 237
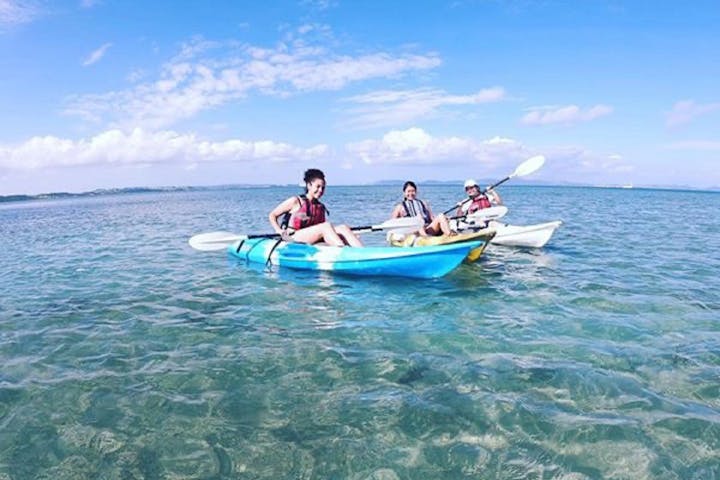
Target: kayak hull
483, 236
529, 236
422, 262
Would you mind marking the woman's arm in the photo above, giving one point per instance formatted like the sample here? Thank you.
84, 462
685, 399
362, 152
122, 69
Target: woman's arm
282, 208
398, 211
494, 196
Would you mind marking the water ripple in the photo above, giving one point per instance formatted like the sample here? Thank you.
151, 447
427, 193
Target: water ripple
126, 354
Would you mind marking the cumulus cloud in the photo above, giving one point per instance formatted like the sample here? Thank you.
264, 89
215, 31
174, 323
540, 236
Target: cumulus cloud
397, 107
140, 147
686, 111
96, 55
415, 146
15, 12
566, 115
195, 80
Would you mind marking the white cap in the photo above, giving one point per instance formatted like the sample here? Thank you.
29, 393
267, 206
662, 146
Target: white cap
470, 183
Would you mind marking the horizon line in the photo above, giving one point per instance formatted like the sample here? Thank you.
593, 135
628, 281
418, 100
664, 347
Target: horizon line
176, 188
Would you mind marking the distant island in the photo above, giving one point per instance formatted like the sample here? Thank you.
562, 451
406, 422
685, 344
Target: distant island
122, 191
136, 190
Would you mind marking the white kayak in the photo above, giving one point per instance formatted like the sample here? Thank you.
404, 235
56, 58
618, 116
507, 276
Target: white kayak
529, 236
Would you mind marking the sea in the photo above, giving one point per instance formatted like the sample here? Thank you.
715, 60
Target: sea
125, 354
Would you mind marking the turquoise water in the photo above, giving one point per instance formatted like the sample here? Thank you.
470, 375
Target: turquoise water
127, 355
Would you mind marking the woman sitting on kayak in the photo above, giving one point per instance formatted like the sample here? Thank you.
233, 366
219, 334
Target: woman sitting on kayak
476, 199
304, 217
412, 206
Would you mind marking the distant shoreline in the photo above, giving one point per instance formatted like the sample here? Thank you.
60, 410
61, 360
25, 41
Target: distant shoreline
135, 190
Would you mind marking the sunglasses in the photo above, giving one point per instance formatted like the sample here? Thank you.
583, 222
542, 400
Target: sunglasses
467, 189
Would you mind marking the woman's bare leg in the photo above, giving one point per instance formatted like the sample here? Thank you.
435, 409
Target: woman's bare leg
440, 224
348, 235
444, 224
322, 231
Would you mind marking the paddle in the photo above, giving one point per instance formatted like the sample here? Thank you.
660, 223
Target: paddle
477, 220
490, 213
219, 240
529, 166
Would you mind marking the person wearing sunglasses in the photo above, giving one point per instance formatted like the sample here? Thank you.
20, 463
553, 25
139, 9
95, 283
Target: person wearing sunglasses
478, 199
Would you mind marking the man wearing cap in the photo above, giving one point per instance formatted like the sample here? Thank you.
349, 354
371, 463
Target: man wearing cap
478, 199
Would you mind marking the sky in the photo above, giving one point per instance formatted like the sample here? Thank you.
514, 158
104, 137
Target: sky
114, 93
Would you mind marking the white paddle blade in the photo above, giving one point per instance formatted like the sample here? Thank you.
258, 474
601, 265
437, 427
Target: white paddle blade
404, 223
404, 230
529, 166
207, 242
486, 214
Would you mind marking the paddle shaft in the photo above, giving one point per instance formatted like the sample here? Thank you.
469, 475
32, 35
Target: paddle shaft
476, 214
529, 166
364, 228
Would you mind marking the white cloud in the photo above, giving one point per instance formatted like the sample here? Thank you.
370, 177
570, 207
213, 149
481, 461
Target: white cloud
16, 12
135, 75
578, 164
139, 147
567, 115
195, 81
397, 107
415, 146
687, 110
96, 55
319, 4
698, 145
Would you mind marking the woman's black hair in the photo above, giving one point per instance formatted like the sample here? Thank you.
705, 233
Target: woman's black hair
313, 174
409, 183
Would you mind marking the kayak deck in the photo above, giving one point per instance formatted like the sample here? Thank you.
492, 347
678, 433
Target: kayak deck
416, 262
483, 236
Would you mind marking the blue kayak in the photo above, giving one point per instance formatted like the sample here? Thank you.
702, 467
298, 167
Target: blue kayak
415, 262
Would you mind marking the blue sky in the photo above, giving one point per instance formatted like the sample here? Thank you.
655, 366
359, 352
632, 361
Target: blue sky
105, 93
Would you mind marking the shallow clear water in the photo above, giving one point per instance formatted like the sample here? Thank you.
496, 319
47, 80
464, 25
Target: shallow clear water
127, 355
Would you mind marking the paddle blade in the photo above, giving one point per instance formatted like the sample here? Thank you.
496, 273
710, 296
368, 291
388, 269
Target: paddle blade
529, 166
486, 214
207, 242
412, 223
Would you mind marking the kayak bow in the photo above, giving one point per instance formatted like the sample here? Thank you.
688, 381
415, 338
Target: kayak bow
528, 236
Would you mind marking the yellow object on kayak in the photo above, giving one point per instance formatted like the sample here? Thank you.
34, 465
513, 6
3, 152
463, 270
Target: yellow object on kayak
415, 240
